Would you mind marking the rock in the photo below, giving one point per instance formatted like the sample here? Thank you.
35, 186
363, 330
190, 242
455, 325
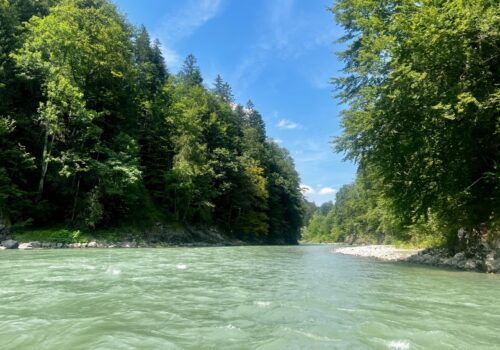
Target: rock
470, 264
25, 246
129, 245
92, 244
492, 262
36, 244
10, 244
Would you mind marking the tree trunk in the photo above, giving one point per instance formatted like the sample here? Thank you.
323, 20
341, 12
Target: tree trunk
75, 201
45, 162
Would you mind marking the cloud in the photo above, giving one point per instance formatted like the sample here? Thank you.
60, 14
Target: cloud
325, 191
180, 24
172, 58
318, 196
307, 190
280, 36
288, 124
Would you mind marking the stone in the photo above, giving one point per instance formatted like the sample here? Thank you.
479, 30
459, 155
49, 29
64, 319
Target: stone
36, 244
129, 245
10, 244
92, 244
59, 245
25, 246
492, 262
470, 264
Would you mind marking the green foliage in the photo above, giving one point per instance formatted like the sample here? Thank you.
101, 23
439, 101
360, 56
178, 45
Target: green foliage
53, 235
100, 136
421, 81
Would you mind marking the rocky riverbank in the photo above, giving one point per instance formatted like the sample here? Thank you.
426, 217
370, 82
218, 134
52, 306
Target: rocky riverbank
486, 261
158, 237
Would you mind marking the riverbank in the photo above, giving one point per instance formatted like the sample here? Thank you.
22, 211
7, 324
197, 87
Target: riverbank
381, 252
159, 236
488, 261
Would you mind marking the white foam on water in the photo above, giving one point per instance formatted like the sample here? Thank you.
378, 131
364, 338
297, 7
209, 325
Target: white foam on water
262, 303
311, 335
181, 266
399, 344
346, 309
113, 271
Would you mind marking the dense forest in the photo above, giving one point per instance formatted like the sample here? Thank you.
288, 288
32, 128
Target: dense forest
421, 82
96, 132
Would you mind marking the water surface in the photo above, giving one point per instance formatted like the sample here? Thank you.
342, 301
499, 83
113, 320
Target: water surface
239, 298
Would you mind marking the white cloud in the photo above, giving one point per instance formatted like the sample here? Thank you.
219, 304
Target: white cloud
171, 57
320, 195
325, 191
181, 24
307, 190
288, 124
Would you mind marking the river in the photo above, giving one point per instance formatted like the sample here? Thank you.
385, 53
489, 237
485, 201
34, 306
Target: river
300, 297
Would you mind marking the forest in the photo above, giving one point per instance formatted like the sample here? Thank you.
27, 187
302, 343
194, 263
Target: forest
95, 132
422, 122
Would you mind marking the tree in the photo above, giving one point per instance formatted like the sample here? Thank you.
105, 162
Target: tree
421, 81
285, 197
95, 133
190, 72
80, 53
222, 90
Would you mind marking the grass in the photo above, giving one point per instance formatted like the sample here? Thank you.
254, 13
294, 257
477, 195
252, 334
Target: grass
421, 241
56, 235
61, 234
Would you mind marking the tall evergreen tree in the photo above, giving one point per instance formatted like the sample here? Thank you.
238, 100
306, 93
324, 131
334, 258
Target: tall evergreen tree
190, 72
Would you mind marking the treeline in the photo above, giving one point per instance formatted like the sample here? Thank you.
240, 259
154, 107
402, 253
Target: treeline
422, 83
96, 132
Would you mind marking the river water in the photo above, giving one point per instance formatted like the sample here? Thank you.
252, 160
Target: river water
239, 298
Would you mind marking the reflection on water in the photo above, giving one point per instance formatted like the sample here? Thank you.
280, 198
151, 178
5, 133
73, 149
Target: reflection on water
239, 297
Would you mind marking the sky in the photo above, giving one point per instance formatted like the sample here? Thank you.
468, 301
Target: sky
278, 53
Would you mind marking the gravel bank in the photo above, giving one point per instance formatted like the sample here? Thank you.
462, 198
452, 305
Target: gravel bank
382, 252
487, 260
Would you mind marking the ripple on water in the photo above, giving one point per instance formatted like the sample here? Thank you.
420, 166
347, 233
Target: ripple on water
398, 344
238, 298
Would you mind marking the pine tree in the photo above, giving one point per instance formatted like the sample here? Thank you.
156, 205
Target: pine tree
190, 72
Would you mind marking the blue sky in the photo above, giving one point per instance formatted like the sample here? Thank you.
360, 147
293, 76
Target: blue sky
279, 54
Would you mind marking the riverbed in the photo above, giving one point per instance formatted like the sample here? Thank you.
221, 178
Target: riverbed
299, 297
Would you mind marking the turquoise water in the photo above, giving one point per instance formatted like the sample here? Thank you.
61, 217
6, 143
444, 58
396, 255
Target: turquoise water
239, 298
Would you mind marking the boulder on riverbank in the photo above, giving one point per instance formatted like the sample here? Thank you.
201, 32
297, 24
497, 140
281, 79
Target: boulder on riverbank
10, 244
25, 246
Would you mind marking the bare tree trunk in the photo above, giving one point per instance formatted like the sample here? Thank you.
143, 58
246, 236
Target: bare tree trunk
75, 201
45, 161
44, 165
